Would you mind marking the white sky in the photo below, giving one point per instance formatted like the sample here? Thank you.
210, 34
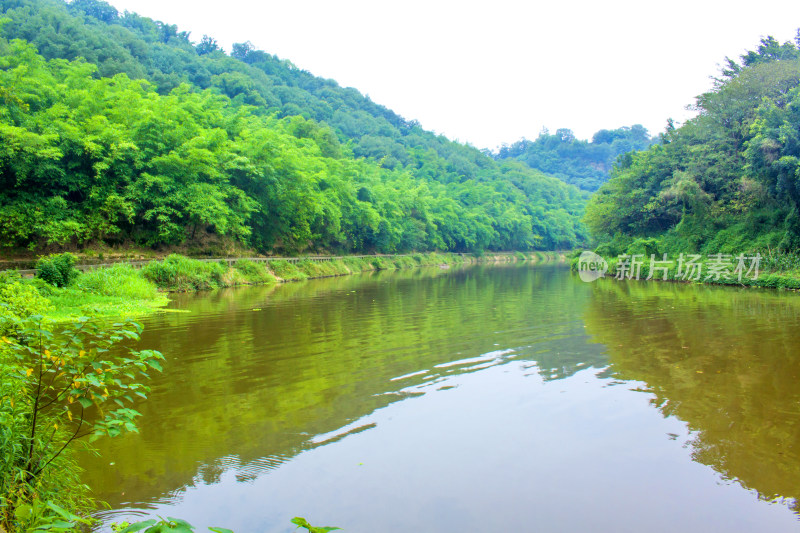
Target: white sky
489, 73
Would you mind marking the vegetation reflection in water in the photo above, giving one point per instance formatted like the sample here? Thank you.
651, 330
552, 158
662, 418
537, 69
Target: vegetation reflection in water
256, 372
257, 376
724, 360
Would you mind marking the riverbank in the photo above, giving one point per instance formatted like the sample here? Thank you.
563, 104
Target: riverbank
770, 270
122, 290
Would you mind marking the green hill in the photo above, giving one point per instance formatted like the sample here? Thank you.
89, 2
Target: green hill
119, 129
728, 180
585, 164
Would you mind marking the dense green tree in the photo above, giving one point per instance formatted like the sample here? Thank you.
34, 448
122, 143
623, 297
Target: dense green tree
123, 130
725, 181
581, 163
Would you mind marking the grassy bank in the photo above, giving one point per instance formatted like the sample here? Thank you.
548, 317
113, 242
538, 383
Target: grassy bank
61, 292
774, 270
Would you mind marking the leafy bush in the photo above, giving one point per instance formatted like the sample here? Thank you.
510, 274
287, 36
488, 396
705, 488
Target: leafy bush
254, 272
57, 269
20, 300
176, 525
49, 381
404, 262
357, 264
380, 263
286, 270
338, 268
178, 273
117, 280
314, 269
780, 262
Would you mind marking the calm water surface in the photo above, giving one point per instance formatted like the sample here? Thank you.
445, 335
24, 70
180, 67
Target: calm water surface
485, 399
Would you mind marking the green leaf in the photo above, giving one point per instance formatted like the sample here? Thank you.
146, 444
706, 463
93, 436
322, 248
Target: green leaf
138, 526
66, 515
299, 521
23, 511
176, 525
85, 402
220, 530
58, 525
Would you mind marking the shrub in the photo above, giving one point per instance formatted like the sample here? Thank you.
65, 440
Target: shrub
20, 300
118, 280
178, 273
404, 262
286, 270
46, 395
254, 272
357, 264
380, 263
57, 269
314, 269
338, 267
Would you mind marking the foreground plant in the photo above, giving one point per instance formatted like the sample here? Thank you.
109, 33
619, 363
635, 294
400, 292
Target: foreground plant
176, 525
168, 525
58, 386
302, 522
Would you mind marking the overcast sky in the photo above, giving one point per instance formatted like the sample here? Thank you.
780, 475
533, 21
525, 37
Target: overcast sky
489, 73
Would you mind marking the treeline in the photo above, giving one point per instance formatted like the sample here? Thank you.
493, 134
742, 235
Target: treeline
728, 180
585, 164
155, 140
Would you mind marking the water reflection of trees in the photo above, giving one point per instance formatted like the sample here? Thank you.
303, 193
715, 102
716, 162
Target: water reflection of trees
726, 361
253, 375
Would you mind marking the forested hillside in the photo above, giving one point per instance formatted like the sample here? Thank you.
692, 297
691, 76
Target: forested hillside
727, 181
115, 128
585, 164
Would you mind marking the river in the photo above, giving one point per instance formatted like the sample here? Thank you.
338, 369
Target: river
486, 398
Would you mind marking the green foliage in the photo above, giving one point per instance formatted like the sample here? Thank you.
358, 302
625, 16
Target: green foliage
286, 270
338, 268
380, 263
168, 525
725, 181
51, 379
176, 525
19, 300
120, 280
57, 269
321, 269
47, 516
302, 522
179, 273
253, 272
212, 150
357, 264
586, 165
403, 262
